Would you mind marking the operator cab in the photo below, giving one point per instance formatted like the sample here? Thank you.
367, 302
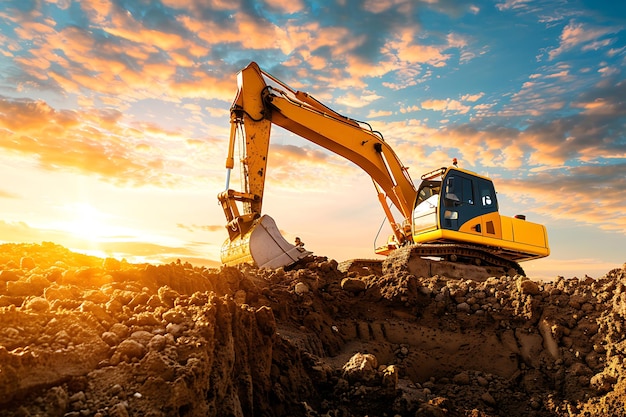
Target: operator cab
465, 196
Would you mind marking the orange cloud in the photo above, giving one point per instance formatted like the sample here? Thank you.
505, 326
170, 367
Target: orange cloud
127, 65
357, 101
404, 55
598, 106
204, 228
196, 5
311, 168
447, 105
379, 113
379, 6
244, 30
286, 6
409, 50
472, 97
135, 56
289, 167
97, 142
6, 194
573, 194
490, 147
22, 232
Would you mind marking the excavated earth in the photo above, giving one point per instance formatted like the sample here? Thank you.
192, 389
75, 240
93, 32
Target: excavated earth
82, 336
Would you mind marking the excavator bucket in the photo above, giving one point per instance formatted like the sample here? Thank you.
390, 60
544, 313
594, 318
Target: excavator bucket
262, 246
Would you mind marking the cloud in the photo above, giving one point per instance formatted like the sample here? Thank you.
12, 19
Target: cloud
407, 77
591, 132
286, 6
193, 49
545, 92
472, 97
218, 111
203, 228
239, 28
513, 4
409, 59
609, 71
410, 109
22, 232
357, 101
337, 47
379, 113
583, 194
591, 136
382, 6
307, 167
6, 194
488, 146
588, 193
446, 106
145, 249
411, 141
407, 48
125, 57
63, 139
295, 167
94, 142
581, 35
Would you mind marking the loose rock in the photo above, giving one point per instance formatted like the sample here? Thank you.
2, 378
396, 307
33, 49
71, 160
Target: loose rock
86, 336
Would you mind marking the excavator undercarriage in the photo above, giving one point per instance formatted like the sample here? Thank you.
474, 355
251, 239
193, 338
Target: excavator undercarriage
446, 260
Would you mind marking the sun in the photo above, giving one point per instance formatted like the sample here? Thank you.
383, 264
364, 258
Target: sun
87, 222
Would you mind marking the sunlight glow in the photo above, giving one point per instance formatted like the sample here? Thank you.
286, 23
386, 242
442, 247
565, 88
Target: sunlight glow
87, 222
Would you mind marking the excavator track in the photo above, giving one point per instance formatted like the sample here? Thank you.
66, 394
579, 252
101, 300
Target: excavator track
455, 262
362, 266
460, 261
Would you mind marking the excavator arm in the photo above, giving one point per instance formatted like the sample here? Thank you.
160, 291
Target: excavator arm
263, 100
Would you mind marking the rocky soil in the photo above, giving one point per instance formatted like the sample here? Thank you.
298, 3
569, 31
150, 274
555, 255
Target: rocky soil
82, 336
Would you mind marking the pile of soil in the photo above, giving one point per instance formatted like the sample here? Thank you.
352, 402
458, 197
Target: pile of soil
83, 336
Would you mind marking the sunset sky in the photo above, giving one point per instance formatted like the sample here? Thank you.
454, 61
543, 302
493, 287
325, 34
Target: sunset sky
114, 118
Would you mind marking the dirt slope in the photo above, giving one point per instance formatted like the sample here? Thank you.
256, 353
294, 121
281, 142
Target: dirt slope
82, 336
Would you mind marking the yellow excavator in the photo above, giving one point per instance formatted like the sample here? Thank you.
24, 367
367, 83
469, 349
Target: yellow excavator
448, 225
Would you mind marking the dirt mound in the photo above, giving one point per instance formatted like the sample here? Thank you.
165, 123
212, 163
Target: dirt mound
83, 336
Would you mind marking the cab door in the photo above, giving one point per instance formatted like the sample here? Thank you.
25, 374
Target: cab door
488, 206
426, 207
469, 204
458, 204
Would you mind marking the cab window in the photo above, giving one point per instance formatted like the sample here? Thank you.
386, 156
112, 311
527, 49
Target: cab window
427, 190
487, 194
459, 189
